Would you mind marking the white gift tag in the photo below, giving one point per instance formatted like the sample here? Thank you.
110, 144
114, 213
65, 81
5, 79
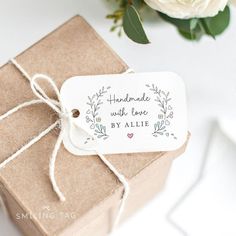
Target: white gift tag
125, 113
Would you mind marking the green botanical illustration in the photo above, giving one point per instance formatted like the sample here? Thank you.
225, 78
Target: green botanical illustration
161, 127
92, 117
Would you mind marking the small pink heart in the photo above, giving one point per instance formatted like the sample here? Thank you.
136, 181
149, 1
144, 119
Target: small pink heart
130, 135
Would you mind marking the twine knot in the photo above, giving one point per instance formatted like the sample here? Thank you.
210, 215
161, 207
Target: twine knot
64, 115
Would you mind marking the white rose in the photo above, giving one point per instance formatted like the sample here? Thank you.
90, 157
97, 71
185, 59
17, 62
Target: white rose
185, 9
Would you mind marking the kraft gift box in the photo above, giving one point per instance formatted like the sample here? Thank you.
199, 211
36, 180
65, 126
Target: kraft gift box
92, 191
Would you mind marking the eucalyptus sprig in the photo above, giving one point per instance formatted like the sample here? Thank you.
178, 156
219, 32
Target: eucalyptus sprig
127, 18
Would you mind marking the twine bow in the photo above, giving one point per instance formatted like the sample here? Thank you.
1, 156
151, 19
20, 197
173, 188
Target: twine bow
64, 116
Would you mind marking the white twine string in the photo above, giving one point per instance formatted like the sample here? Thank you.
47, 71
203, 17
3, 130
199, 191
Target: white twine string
57, 106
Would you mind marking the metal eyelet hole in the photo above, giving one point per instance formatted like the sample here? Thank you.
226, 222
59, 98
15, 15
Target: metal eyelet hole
75, 113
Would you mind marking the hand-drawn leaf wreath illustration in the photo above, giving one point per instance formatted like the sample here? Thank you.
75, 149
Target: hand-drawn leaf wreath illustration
161, 127
94, 103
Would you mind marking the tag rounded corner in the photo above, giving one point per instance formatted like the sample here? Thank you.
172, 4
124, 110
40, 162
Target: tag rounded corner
64, 85
76, 152
180, 143
178, 78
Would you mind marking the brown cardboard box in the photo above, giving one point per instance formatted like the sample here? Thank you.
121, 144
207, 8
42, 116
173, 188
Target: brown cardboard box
92, 191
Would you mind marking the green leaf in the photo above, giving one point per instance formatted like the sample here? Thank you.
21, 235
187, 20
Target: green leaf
193, 29
137, 3
188, 28
193, 23
194, 35
182, 24
217, 24
133, 27
205, 28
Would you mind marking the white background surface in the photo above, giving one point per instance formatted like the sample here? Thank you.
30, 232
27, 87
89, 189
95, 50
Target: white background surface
209, 71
